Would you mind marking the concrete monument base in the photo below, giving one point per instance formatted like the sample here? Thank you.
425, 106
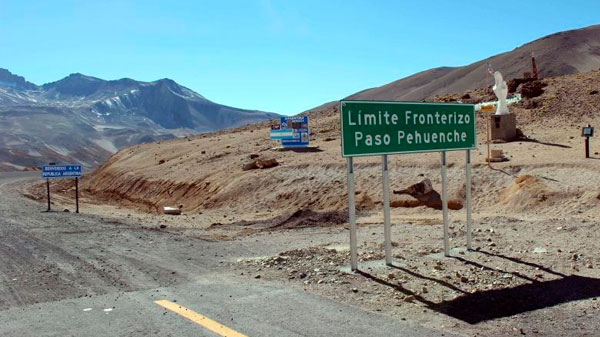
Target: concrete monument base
503, 127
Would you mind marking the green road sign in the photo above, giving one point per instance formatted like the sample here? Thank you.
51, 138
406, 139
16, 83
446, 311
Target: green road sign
374, 128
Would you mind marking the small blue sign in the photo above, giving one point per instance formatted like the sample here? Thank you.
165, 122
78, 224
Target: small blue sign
61, 171
301, 132
282, 134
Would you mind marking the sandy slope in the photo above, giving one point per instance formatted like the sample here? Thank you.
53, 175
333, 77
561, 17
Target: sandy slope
205, 172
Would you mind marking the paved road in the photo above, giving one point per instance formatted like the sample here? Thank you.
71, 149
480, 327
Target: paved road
66, 274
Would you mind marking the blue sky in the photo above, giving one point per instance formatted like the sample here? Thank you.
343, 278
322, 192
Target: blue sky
280, 56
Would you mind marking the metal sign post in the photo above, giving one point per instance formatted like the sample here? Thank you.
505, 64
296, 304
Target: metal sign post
387, 227
76, 195
468, 197
445, 206
381, 128
587, 132
48, 193
352, 216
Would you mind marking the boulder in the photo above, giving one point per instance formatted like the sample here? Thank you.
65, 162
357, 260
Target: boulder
424, 192
260, 164
532, 89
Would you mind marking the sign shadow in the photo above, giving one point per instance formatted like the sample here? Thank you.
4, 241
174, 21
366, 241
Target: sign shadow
487, 305
302, 149
533, 140
497, 303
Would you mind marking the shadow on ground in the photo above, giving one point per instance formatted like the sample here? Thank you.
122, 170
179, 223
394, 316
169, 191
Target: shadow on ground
301, 149
492, 304
486, 305
533, 140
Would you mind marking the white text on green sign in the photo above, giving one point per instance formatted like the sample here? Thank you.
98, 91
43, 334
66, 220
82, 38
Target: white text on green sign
372, 128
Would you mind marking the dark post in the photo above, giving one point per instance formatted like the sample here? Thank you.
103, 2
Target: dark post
48, 190
76, 195
587, 132
587, 147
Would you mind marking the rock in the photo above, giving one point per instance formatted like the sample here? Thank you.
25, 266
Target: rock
492, 244
163, 226
540, 250
320, 281
254, 156
365, 203
424, 192
532, 89
257, 276
409, 299
66, 210
577, 257
354, 290
594, 92
260, 164
514, 84
302, 275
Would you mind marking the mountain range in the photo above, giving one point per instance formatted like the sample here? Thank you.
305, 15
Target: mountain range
86, 119
83, 119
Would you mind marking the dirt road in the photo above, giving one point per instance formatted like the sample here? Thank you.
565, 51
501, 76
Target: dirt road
67, 274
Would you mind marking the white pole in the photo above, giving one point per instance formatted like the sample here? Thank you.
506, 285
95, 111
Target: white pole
386, 211
468, 190
445, 206
352, 216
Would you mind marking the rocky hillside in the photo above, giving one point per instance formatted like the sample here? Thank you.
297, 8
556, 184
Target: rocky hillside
206, 172
569, 52
86, 119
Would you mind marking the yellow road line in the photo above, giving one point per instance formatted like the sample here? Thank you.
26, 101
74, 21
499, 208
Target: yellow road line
195, 317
